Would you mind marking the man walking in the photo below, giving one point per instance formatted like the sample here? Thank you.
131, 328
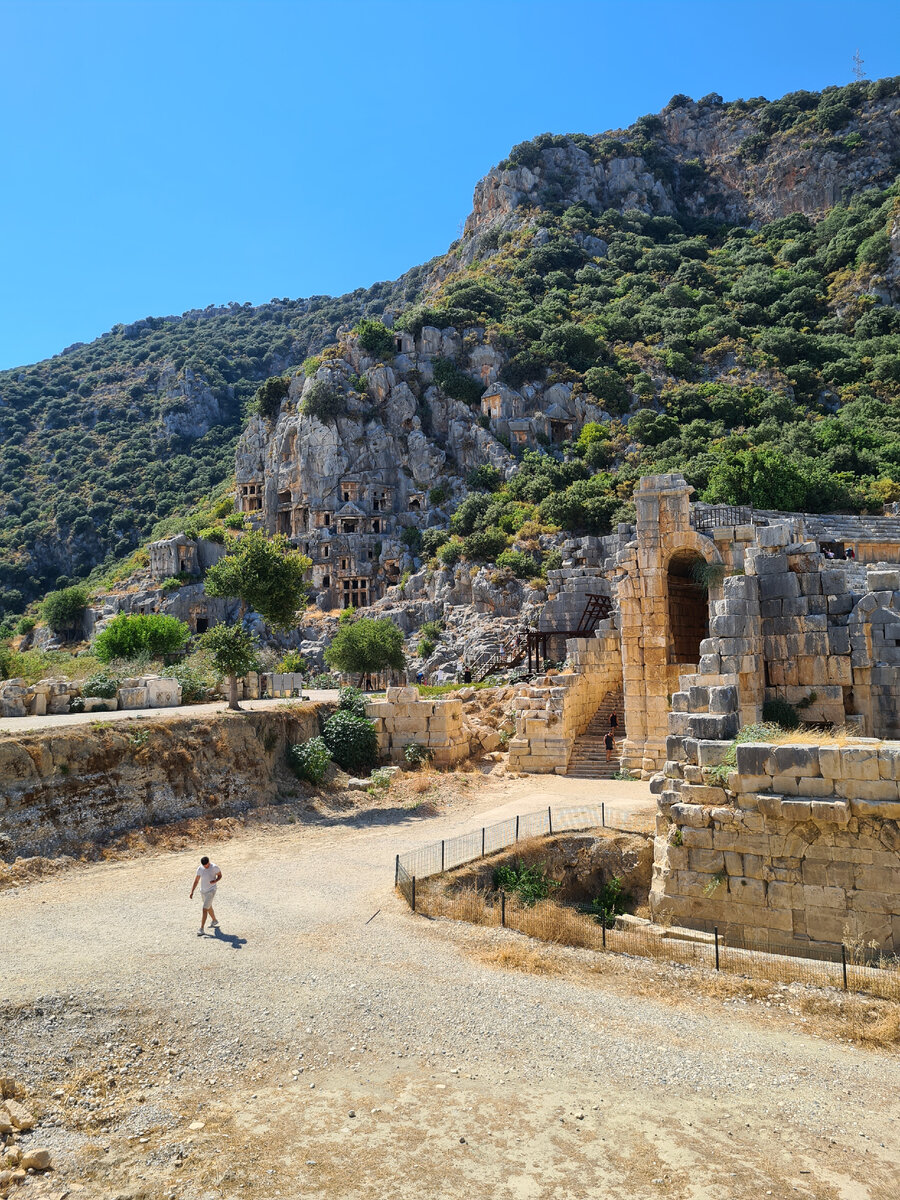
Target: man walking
208, 876
610, 743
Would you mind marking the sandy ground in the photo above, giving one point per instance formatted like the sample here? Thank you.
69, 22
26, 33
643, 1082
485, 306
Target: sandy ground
315, 1049
29, 724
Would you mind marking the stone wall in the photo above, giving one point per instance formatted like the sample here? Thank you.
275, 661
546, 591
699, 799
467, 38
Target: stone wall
802, 845
402, 718
18, 698
552, 712
62, 788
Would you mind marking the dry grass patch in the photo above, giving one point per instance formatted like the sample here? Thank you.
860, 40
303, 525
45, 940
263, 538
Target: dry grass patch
519, 956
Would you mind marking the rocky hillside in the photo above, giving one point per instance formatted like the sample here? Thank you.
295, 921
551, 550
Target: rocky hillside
716, 284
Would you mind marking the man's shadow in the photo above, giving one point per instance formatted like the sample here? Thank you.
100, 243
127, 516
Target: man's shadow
232, 939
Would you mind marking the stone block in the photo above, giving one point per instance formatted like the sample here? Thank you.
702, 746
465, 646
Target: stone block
755, 759
825, 924
693, 793
723, 700
859, 762
796, 760
772, 587
133, 697
869, 789
742, 890
880, 580
734, 863
824, 897
715, 727
706, 862
711, 754
889, 762
884, 810
831, 762
675, 749
691, 815
701, 839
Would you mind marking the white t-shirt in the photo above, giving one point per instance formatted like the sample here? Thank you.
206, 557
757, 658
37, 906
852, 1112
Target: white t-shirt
207, 875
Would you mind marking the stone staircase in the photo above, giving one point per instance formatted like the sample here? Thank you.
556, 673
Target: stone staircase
588, 760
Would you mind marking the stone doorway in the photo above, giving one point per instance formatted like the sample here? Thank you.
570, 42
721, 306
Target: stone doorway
688, 606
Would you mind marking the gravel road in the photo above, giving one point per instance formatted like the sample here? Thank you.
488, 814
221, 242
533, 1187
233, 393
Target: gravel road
331, 1052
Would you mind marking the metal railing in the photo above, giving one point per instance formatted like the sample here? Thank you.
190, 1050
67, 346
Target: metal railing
721, 515
466, 847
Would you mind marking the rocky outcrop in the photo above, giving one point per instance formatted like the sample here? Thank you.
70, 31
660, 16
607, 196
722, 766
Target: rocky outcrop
699, 167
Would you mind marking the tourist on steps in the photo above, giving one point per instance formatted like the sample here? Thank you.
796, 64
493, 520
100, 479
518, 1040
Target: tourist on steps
208, 876
610, 743
613, 723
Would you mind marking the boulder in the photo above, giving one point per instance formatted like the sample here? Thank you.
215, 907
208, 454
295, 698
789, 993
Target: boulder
20, 1116
37, 1159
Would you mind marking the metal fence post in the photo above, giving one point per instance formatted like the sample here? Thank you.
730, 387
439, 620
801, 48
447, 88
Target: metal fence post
517, 826
503, 909
603, 927
603, 815
550, 817
397, 870
716, 932
442, 854
414, 893
844, 963
482, 841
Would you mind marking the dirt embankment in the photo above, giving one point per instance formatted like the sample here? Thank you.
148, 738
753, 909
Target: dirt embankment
581, 863
61, 788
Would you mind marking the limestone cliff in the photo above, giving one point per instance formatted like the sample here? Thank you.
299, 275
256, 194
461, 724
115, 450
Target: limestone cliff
701, 163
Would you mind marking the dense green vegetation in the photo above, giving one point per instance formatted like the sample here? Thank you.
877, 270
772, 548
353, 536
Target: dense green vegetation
101, 442
131, 635
760, 363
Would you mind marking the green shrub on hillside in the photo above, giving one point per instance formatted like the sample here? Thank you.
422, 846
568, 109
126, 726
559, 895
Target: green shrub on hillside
130, 635
352, 742
375, 337
322, 401
310, 760
456, 383
269, 395
64, 609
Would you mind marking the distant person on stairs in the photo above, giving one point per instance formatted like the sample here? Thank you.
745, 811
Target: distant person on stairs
613, 723
208, 876
610, 743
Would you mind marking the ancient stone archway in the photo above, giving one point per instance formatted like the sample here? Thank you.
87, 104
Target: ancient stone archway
688, 606
655, 568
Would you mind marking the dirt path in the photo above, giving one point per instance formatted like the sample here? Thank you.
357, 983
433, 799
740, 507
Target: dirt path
29, 724
462, 1079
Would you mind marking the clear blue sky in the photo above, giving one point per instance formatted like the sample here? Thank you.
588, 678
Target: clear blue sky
169, 154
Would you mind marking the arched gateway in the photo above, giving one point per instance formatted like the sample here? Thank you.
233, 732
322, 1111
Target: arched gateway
664, 612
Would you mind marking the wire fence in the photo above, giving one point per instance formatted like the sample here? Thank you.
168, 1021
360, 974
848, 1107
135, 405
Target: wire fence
854, 968
454, 852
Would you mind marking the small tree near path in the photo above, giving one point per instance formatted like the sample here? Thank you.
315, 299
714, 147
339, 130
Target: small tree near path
366, 646
270, 577
233, 653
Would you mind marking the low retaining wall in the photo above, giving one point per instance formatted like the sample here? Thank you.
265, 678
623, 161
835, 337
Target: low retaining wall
802, 845
552, 713
62, 788
402, 718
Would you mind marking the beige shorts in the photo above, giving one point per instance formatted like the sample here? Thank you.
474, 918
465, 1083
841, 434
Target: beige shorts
208, 897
